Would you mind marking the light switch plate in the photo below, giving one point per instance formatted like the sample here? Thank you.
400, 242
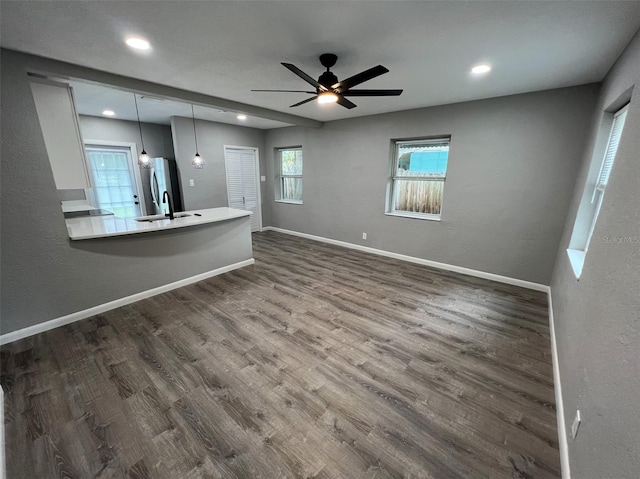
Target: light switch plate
192, 182
575, 425
263, 178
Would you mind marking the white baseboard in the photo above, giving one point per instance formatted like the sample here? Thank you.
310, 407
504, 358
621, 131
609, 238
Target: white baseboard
412, 259
562, 432
101, 308
3, 473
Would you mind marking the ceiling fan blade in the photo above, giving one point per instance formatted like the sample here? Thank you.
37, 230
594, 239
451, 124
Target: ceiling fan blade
359, 78
290, 91
304, 76
345, 103
372, 92
304, 101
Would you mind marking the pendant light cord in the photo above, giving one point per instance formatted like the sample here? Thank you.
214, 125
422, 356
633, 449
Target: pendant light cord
193, 116
135, 99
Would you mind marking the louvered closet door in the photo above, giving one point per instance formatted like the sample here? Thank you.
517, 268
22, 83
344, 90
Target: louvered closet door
242, 186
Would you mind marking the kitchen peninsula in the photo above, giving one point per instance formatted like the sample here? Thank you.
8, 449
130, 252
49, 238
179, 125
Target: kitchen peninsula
90, 227
122, 261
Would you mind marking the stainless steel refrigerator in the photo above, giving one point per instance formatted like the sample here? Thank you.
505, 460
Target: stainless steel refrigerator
162, 176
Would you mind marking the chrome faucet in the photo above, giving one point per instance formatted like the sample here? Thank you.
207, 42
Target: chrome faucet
166, 196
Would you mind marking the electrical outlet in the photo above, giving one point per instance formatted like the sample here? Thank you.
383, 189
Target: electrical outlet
575, 425
364, 236
263, 178
192, 182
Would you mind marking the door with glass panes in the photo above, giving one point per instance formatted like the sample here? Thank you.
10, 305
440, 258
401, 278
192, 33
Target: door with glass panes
115, 185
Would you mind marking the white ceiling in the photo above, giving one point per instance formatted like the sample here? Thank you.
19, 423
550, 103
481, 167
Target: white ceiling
225, 49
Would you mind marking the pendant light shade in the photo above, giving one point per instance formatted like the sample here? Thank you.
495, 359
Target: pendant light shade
143, 160
197, 162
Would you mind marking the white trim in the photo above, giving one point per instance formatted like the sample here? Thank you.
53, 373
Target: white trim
258, 188
412, 259
415, 216
101, 308
3, 473
562, 432
576, 258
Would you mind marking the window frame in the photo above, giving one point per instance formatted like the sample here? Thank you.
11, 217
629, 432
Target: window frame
578, 248
280, 177
393, 177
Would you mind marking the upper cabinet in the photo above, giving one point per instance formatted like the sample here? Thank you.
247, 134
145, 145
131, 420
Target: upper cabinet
61, 131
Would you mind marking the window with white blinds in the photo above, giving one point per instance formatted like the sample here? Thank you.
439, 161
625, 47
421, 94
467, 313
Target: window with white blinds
612, 148
589, 209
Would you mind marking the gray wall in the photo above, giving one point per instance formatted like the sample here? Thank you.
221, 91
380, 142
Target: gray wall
157, 138
210, 188
44, 275
597, 319
512, 167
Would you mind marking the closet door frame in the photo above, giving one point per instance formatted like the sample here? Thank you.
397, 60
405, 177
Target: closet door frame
256, 154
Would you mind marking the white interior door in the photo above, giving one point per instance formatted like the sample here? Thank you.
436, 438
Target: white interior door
243, 188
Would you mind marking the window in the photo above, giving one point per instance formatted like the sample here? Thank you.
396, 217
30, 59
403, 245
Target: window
419, 168
592, 199
289, 175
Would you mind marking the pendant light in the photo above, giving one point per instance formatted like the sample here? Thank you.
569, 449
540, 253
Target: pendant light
143, 160
197, 162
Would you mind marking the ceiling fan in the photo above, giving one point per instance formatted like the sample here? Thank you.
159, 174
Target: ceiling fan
329, 90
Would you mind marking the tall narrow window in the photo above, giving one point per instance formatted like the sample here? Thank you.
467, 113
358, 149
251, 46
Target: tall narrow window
590, 207
289, 175
419, 169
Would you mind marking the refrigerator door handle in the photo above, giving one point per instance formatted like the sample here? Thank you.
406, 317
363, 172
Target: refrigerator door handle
155, 193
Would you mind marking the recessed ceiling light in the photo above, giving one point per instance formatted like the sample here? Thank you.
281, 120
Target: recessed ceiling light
138, 43
479, 69
241, 117
109, 113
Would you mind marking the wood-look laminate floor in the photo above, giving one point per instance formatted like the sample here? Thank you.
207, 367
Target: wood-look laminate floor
317, 361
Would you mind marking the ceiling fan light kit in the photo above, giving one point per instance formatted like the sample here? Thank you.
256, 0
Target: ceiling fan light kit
329, 90
327, 97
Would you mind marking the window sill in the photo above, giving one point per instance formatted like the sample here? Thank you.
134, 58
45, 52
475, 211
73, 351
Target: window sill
291, 202
576, 258
415, 216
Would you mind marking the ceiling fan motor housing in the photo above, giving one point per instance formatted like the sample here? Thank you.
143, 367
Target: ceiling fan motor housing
327, 79
328, 59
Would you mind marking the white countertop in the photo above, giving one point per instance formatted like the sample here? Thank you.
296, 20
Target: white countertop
89, 227
76, 205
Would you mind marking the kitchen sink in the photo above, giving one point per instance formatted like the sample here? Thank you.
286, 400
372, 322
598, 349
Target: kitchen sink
151, 218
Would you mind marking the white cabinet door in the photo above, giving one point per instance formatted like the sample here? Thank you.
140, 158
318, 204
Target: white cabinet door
61, 131
242, 182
